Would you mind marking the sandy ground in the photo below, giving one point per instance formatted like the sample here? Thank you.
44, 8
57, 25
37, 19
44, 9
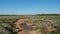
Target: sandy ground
23, 32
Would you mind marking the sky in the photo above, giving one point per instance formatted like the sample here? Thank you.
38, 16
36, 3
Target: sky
27, 7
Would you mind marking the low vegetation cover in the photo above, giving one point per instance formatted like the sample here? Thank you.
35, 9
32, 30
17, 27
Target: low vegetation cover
43, 24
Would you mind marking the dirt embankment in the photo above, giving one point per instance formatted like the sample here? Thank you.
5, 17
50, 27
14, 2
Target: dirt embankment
23, 31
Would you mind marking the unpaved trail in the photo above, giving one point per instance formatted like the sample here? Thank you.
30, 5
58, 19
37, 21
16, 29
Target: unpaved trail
23, 32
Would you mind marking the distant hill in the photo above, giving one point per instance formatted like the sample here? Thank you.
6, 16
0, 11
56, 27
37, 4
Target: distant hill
48, 15
35, 15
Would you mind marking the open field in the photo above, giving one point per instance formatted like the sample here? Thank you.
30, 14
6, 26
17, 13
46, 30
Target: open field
39, 24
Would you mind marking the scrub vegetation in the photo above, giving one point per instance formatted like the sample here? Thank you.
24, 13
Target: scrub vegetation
45, 23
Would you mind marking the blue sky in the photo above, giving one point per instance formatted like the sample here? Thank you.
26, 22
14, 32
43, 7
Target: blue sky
26, 7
